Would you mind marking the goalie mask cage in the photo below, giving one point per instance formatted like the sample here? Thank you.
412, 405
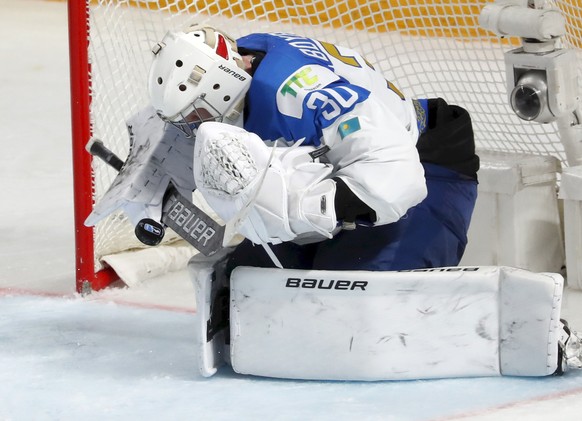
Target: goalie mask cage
427, 48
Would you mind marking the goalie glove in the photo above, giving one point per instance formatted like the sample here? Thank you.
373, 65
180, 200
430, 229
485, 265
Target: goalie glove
311, 195
286, 196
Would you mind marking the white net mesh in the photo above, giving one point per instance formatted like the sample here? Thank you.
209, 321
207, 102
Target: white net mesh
426, 47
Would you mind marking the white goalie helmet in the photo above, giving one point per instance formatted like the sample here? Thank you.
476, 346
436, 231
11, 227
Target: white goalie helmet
197, 76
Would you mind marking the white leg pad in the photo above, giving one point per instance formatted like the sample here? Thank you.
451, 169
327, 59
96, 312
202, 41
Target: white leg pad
359, 325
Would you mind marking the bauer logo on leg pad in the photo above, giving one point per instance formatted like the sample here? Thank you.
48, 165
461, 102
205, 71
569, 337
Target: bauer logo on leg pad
341, 284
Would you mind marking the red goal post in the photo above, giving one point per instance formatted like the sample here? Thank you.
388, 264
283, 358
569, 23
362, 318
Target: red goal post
86, 274
425, 47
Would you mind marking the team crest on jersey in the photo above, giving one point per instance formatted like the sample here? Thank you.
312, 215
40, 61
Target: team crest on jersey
292, 92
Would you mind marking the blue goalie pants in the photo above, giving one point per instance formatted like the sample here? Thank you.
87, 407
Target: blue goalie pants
432, 234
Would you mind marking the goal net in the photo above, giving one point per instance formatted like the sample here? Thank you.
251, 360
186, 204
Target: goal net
427, 48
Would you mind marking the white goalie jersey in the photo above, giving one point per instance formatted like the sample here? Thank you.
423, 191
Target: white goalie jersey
328, 96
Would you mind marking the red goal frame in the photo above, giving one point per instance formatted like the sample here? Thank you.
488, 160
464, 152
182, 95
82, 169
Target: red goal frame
86, 277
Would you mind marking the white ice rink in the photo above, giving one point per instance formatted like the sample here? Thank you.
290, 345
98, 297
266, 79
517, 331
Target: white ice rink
126, 354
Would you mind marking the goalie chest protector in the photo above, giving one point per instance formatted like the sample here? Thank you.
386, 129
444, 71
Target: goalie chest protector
359, 325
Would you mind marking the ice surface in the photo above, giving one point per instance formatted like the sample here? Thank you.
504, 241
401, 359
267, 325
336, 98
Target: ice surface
127, 353
74, 358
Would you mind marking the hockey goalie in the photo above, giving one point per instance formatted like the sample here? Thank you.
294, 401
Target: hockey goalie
354, 202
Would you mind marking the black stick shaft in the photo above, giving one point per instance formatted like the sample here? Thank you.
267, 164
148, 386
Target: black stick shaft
96, 148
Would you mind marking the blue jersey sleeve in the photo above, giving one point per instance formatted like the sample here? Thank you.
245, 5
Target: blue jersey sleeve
294, 95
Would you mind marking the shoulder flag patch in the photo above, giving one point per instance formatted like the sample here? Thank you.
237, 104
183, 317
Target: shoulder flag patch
349, 126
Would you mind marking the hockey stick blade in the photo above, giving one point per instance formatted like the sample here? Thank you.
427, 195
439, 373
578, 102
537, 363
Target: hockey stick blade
192, 223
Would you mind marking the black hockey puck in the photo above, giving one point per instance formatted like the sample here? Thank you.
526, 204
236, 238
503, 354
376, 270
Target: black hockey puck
149, 232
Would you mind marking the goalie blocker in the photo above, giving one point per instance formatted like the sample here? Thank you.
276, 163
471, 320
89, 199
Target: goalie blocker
359, 325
